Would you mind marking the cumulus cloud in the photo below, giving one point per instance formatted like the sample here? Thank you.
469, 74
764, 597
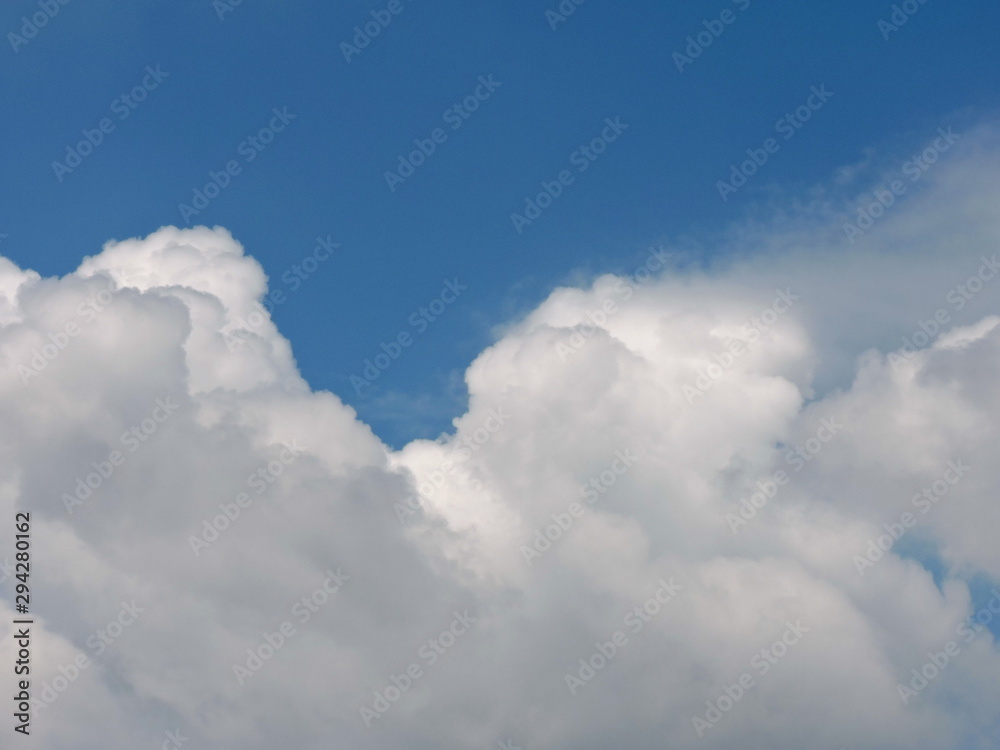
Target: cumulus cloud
688, 506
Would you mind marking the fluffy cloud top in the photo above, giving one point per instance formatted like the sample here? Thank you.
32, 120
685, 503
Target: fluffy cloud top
662, 521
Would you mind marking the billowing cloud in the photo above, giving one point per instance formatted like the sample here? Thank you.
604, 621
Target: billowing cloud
746, 505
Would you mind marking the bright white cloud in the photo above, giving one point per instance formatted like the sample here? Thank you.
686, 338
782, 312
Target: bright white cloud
610, 436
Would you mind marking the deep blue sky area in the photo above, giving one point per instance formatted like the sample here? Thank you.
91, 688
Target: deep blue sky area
324, 174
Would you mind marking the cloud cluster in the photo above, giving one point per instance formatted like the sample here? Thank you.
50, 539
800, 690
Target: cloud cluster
650, 528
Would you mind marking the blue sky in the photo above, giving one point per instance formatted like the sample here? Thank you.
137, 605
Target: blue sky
324, 174
791, 422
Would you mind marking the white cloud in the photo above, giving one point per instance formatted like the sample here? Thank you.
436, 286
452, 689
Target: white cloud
574, 394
